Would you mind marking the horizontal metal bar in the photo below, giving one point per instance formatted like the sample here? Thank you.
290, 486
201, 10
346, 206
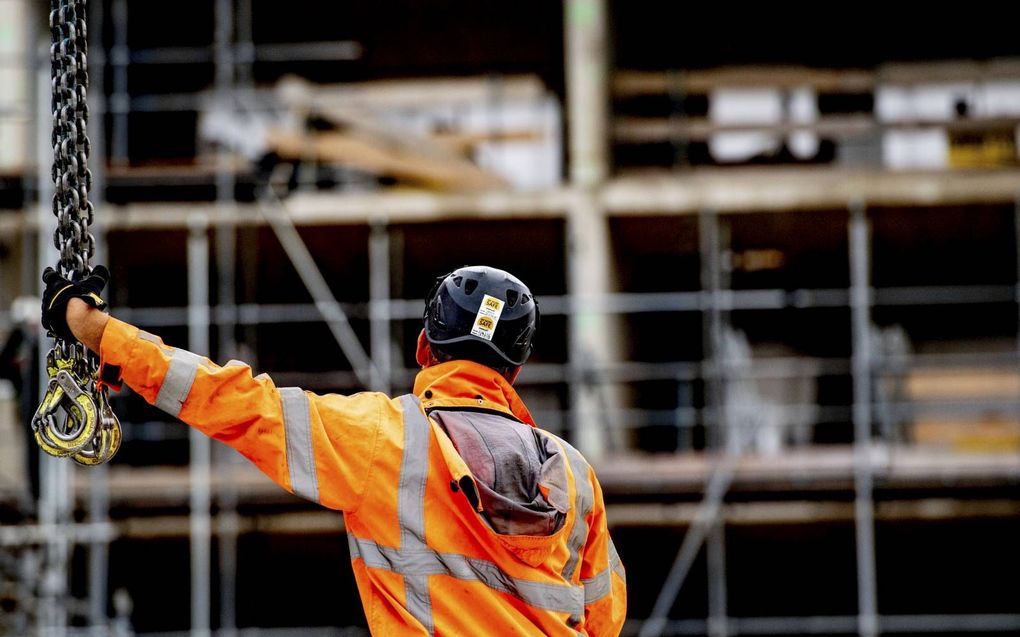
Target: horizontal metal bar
33, 534
339, 50
944, 295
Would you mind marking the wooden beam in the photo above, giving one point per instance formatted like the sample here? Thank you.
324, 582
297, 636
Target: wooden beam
628, 84
402, 162
647, 193
638, 83
737, 190
378, 157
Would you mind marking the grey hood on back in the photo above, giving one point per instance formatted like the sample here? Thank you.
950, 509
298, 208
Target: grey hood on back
509, 461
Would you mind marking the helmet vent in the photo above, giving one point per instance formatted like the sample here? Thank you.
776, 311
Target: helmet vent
511, 298
470, 286
524, 299
457, 280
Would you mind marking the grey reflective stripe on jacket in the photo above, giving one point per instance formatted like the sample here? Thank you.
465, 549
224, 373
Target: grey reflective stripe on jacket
416, 561
585, 503
414, 472
177, 382
600, 586
297, 427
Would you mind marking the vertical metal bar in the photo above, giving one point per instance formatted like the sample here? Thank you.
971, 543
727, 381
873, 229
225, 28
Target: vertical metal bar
99, 482
379, 303
719, 430
228, 525
860, 301
244, 51
587, 90
200, 446
226, 270
1016, 245
99, 507
718, 624
54, 475
120, 59
590, 332
712, 368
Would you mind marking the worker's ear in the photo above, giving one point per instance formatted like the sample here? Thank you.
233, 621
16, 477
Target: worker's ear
423, 354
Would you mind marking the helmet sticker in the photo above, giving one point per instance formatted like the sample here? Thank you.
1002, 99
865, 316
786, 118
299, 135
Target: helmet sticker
487, 317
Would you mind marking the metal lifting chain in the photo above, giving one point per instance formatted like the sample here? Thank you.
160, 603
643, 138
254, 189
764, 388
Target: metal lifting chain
74, 419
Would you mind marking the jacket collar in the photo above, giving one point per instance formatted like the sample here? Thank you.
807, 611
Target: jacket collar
461, 383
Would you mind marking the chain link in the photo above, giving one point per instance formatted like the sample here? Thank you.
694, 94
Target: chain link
72, 179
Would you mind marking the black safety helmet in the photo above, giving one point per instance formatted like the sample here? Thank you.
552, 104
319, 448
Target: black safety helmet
482, 314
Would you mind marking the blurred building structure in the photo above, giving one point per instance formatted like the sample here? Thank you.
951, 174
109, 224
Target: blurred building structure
781, 300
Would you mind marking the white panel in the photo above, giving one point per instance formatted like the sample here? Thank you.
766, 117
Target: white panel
744, 106
923, 102
803, 108
12, 29
13, 142
13, 89
527, 165
999, 99
915, 149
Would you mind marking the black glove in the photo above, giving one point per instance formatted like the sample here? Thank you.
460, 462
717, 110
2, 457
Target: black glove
59, 292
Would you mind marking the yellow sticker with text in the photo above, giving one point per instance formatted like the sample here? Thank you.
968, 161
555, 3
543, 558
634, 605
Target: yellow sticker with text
487, 317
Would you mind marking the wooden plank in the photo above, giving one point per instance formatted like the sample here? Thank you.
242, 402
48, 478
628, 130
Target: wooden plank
701, 81
968, 383
644, 193
753, 189
982, 434
638, 83
656, 129
372, 155
949, 71
464, 142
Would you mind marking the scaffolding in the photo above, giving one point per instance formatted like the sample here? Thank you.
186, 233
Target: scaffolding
591, 307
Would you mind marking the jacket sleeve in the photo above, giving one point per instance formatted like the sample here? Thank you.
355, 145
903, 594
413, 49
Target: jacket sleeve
602, 574
319, 447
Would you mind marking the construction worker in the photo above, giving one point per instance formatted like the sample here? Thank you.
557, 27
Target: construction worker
463, 518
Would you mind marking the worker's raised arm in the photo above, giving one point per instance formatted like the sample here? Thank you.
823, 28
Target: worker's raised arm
283, 431
293, 436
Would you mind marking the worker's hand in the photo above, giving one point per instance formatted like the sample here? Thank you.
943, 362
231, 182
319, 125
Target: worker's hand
59, 291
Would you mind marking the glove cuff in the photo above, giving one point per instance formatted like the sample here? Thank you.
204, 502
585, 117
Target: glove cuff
93, 299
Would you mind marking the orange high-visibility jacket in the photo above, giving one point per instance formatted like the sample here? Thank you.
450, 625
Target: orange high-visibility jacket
425, 559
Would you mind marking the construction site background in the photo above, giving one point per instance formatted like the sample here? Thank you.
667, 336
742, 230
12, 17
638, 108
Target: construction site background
777, 264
